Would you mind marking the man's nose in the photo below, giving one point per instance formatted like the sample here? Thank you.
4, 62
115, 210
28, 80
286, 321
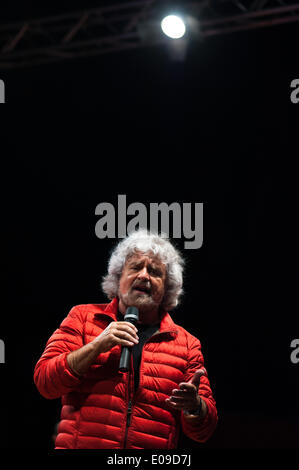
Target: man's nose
143, 274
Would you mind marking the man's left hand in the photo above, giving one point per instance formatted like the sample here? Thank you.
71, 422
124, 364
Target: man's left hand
186, 397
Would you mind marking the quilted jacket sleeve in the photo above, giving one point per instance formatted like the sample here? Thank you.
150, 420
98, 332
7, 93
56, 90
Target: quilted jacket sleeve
52, 374
198, 429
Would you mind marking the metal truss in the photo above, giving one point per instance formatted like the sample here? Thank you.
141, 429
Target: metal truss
118, 27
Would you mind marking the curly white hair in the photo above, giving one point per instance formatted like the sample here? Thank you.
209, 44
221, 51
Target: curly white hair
147, 242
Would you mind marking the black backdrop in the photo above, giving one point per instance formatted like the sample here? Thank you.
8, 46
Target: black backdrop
219, 129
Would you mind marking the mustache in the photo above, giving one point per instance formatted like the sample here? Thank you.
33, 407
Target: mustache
146, 286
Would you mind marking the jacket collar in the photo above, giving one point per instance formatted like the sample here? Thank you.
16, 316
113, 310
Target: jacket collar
167, 325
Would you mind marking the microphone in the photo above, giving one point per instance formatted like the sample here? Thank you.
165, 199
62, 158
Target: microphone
132, 316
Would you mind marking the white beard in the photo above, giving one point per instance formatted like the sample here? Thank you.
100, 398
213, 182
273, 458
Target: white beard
143, 301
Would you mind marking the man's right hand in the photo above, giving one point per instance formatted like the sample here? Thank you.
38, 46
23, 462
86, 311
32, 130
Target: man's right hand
120, 333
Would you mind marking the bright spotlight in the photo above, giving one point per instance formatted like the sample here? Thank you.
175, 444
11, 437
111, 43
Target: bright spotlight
173, 26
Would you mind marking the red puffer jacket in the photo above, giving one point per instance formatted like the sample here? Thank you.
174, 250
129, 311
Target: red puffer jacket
94, 411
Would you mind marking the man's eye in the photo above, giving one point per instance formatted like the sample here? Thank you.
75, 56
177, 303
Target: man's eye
155, 272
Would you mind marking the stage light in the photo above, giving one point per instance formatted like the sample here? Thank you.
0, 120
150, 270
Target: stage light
173, 26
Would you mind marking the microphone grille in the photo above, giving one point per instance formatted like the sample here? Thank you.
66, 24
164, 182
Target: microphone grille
132, 313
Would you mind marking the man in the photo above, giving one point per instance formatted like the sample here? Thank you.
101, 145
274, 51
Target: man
166, 386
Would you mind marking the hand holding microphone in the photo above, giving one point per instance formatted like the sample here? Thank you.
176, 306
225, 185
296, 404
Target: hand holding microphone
123, 333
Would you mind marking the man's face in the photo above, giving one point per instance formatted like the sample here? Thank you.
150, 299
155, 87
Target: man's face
142, 282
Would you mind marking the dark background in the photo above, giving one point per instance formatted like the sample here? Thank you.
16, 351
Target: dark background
218, 128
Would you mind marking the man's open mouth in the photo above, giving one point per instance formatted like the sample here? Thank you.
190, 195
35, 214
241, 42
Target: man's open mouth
142, 289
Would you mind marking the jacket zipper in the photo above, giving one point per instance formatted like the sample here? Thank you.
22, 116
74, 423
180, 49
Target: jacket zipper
129, 414
129, 409
130, 404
